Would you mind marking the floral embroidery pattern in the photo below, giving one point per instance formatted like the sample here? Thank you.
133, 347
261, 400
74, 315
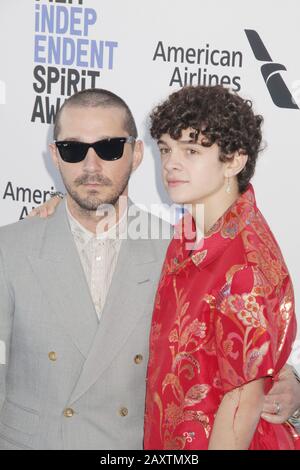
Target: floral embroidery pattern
223, 316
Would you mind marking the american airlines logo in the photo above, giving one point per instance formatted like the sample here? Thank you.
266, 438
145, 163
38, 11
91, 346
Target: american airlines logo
270, 71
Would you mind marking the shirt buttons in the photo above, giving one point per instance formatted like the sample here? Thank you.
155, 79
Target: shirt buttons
123, 412
138, 359
68, 412
52, 356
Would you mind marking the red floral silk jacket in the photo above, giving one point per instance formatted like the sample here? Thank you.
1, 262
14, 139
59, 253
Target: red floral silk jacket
223, 316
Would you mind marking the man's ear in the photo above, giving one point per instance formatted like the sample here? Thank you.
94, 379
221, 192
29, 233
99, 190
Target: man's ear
138, 154
236, 164
54, 155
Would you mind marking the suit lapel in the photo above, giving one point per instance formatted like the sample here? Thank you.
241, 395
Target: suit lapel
58, 269
132, 286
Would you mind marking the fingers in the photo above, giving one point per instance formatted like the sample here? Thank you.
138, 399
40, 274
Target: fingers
278, 406
32, 213
52, 204
281, 401
46, 209
39, 212
272, 418
274, 412
270, 407
43, 212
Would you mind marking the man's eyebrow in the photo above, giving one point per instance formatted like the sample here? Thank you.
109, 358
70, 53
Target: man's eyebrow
160, 141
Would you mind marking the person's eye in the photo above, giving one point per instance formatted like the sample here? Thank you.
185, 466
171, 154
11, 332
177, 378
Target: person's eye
164, 150
191, 151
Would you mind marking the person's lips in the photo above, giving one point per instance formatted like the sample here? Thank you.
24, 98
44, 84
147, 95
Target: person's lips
175, 182
94, 184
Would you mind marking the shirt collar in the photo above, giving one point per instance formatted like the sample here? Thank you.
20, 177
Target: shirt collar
240, 214
84, 235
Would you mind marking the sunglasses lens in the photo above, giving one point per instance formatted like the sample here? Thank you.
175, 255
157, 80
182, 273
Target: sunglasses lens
110, 149
106, 149
72, 152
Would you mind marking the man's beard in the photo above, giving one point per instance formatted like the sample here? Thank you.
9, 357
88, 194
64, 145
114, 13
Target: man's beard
94, 201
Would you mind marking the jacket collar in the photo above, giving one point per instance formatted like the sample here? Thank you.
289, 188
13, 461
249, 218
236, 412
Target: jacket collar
238, 216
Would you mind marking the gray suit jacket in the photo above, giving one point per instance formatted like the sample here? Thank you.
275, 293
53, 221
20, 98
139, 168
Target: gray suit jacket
70, 382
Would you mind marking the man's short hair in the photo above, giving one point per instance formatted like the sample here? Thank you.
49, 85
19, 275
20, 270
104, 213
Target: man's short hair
94, 97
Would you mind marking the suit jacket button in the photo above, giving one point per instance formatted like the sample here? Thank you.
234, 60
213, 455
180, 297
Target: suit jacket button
138, 358
68, 412
52, 356
123, 411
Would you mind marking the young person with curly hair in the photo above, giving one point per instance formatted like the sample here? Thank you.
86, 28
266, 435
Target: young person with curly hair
224, 321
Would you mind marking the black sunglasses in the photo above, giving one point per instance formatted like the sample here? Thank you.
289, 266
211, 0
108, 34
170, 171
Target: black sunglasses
110, 149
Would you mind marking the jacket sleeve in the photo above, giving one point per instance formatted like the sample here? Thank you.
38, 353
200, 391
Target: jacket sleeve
254, 328
6, 316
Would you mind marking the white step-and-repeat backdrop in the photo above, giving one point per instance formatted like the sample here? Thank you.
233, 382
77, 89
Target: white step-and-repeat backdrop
143, 50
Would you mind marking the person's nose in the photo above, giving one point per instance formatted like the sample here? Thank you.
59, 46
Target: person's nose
172, 160
92, 162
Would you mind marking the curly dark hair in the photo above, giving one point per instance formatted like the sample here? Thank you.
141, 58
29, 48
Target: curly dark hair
221, 116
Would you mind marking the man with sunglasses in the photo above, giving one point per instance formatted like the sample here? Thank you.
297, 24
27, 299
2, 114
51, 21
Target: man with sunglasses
77, 293
76, 304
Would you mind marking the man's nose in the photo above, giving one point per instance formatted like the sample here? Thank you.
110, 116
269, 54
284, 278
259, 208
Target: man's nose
91, 161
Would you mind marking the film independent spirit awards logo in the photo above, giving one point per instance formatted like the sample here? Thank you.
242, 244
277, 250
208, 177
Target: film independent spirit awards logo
277, 88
